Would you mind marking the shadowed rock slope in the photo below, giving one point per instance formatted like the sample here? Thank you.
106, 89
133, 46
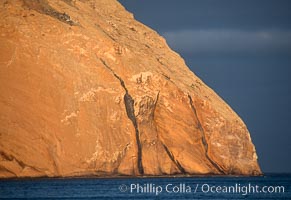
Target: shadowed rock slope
87, 90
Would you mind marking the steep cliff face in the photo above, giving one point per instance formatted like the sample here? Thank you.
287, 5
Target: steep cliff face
87, 90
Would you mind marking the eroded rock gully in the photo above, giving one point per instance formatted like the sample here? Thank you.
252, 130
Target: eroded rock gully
87, 90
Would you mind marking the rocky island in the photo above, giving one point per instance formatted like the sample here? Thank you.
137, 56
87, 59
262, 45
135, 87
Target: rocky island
86, 90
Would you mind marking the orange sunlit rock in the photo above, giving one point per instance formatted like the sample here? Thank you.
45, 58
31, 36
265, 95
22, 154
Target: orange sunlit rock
85, 89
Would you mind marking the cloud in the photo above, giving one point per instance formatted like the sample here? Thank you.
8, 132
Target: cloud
230, 41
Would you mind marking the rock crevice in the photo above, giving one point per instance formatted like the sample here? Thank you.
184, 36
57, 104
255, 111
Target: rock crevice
19, 162
176, 162
129, 106
203, 137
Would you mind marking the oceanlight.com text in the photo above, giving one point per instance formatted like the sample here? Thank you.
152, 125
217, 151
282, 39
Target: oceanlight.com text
242, 189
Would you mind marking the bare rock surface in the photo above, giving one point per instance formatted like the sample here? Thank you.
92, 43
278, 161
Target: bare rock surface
85, 89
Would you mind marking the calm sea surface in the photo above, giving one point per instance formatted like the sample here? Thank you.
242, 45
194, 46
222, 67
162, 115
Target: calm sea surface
271, 186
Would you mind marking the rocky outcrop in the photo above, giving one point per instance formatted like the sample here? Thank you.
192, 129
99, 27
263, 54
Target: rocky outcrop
87, 90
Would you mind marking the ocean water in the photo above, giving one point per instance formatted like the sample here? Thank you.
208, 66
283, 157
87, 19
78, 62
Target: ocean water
270, 186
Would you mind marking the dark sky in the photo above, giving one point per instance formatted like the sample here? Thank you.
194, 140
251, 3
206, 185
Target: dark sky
241, 49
